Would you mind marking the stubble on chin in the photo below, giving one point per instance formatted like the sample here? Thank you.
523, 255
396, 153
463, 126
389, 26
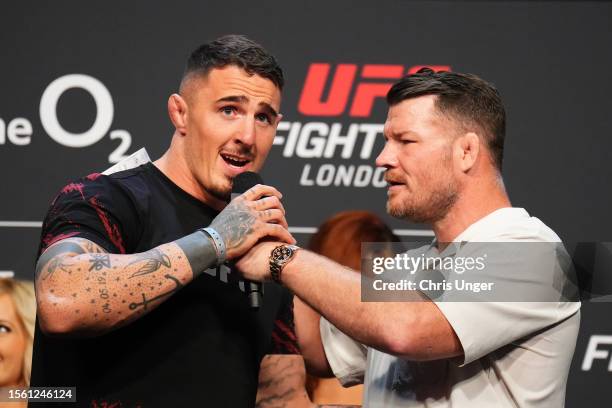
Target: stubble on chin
223, 193
219, 189
220, 195
427, 211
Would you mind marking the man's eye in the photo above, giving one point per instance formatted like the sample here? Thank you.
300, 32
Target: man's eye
4, 329
262, 117
228, 110
406, 142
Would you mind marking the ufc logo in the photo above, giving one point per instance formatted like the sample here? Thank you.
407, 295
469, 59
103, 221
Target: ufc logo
593, 352
379, 79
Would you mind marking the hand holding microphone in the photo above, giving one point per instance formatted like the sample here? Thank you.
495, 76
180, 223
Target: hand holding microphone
255, 212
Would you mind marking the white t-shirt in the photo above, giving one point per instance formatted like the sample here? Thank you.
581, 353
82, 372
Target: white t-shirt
516, 354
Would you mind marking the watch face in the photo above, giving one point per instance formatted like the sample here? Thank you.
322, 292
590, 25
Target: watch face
282, 253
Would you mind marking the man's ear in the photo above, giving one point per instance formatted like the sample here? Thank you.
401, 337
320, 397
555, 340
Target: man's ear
467, 148
177, 110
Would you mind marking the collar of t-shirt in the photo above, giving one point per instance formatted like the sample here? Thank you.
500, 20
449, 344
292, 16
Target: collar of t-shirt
499, 220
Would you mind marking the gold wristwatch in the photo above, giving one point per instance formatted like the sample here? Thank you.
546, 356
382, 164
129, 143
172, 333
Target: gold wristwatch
279, 257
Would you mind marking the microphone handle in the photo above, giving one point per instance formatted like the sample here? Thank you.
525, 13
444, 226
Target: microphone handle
254, 293
253, 290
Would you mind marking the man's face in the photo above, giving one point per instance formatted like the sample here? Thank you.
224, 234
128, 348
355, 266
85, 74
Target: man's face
231, 123
418, 157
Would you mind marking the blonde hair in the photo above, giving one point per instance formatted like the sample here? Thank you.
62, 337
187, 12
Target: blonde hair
22, 293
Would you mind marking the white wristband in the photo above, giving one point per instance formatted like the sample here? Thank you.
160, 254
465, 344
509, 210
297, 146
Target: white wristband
219, 244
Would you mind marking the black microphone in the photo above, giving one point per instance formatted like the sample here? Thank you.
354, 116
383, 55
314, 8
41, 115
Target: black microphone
243, 182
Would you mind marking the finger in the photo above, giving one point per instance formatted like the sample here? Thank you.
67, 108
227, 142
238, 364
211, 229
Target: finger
260, 190
274, 216
280, 233
270, 202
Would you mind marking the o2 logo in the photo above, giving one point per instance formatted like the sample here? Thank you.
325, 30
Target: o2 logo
19, 130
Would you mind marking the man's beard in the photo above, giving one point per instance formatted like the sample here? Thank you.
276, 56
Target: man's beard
429, 210
220, 193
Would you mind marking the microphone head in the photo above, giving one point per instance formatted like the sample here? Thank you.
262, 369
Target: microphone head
243, 181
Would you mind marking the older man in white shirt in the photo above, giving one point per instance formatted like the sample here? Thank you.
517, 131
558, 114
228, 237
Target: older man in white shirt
443, 154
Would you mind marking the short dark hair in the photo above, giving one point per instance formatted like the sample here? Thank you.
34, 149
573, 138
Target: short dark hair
464, 97
235, 50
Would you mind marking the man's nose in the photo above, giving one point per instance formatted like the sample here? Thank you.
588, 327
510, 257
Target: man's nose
387, 157
246, 133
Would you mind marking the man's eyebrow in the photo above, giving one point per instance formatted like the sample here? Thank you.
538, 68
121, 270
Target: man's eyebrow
406, 132
269, 109
234, 98
243, 99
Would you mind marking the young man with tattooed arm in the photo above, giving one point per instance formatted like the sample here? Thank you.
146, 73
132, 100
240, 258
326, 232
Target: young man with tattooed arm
135, 306
65, 283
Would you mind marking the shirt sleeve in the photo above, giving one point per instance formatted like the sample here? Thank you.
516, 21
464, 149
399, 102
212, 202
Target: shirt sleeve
347, 358
529, 278
94, 208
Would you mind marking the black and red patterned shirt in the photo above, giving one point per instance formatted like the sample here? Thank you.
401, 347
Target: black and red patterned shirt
201, 347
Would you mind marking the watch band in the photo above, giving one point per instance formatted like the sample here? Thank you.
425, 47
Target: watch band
275, 271
279, 257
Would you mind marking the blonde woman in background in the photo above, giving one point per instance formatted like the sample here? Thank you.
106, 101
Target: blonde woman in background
17, 317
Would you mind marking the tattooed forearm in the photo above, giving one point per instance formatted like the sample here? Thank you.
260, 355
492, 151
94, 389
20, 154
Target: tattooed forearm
150, 262
145, 302
53, 258
99, 261
54, 264
83, 290
282, 382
